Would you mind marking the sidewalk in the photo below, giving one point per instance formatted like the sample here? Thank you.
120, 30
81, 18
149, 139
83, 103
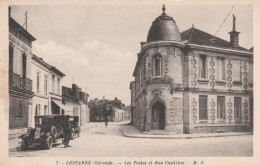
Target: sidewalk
133, 132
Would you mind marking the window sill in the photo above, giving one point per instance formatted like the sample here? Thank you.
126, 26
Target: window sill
221, 82
203, 121
203, 81
238, 83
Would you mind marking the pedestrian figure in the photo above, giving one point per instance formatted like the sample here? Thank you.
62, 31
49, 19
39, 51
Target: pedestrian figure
67, 132
106, 121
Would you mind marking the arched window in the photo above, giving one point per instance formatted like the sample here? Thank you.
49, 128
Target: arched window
157, 65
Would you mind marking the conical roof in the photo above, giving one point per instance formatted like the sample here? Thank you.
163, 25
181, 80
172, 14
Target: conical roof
164, 28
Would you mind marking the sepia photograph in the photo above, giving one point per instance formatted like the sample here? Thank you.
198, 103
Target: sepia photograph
128, 83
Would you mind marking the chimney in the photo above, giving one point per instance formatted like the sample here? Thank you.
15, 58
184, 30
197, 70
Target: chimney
9, 11
234, 35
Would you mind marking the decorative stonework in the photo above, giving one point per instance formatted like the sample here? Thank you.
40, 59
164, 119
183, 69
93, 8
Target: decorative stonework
193, 72
229, 75
245, 76
156, 93
212, 74
144, 71
194, 110
176, 113
212, 110
166, 62
229, 110
246, 110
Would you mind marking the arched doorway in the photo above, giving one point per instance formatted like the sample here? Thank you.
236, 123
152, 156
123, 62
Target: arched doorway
158, 116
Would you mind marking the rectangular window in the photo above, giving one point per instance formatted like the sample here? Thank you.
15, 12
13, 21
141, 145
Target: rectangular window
221, 69
45, 85
45, 110
236, 70
203, 66
221, 107
53, 83
237, 108
157, 65
24, 65
58, 85
38, 82
203, 107
37, 109
11, 57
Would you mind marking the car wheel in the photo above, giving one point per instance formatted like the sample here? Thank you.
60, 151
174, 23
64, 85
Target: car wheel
24, 144
48, 143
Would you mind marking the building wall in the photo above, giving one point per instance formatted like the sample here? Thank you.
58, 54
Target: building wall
19, 99
40, 101
180, 85
54, 90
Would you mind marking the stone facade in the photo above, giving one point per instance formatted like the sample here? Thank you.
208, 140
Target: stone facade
190, 87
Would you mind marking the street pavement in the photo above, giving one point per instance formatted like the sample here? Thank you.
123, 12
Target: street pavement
96, 140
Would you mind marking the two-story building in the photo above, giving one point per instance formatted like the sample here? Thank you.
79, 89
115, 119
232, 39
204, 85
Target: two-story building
192, 81
43, 99
55, 92
20, 81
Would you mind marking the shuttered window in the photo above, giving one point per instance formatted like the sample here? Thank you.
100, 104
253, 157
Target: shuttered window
203, 107
221, 107
38, 82
45, 85
11, 56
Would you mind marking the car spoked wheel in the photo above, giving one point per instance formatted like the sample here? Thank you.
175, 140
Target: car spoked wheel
24, 145
48, 143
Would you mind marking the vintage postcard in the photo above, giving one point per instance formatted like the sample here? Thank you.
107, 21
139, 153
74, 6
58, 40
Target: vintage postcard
129, 83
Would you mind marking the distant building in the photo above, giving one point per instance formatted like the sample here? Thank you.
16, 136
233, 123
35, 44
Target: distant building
44, 102
76, 103
20, 81
192, 82
99, 109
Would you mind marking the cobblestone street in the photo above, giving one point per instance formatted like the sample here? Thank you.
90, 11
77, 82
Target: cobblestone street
98, 141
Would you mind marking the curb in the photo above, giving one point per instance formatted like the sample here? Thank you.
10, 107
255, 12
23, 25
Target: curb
185, 137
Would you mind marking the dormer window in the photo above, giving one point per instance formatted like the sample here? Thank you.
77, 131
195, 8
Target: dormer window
157, 65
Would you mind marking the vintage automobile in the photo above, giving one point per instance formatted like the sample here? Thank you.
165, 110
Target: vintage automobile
48, 129
74, 121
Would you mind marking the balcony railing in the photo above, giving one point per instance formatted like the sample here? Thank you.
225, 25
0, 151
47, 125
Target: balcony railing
16, 81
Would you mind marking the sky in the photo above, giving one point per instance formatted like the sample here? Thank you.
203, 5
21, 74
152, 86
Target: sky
96, 46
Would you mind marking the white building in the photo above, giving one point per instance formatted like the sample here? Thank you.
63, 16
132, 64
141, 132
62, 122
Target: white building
47, 89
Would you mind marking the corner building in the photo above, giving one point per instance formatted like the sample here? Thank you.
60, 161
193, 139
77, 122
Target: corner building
192, 82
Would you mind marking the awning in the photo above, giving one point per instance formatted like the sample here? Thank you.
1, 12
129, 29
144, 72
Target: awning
58, 103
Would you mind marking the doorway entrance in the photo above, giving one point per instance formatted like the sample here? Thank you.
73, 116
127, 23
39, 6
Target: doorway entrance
158, 116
